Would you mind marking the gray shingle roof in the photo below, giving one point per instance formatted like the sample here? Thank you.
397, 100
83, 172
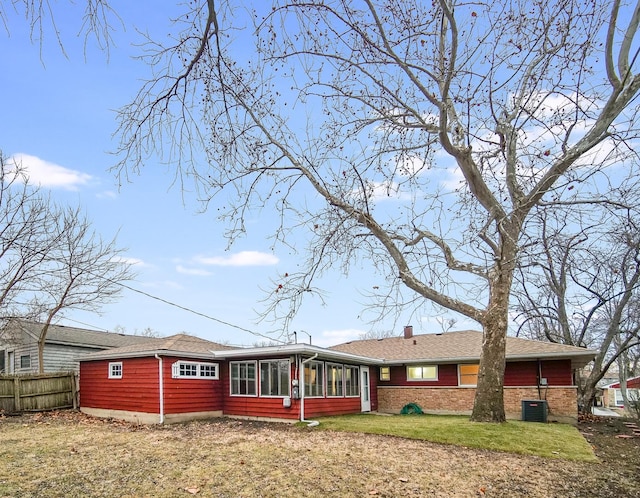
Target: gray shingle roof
180, 343
62, 334
456, 347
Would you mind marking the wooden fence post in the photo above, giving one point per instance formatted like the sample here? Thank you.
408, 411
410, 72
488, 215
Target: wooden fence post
16, 394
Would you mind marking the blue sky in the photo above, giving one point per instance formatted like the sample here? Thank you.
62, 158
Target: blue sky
58, 118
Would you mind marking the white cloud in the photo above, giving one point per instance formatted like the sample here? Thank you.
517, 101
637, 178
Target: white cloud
130, 261
333, 337
47, 174
192, 271
243, 258
107, 194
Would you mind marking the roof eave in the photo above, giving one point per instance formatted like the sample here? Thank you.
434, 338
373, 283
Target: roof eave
578, 356
107, 355
300, 349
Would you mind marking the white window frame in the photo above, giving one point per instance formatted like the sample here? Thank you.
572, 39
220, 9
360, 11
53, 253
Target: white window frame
632, 395
115, 370
422, 379
179, 369
385, 374
277, 361
349, 393
318, 381
460, 375
256, 379
328, 367
24, 357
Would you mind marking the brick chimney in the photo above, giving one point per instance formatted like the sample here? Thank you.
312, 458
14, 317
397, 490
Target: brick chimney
408, 331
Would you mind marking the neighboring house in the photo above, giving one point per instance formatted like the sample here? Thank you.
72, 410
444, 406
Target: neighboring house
439, 372
186, 378
612, 394
63, 346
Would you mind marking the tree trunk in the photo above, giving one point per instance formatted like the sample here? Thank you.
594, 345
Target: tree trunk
488, 405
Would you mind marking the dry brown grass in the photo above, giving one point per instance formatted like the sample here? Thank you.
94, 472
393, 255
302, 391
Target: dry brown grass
68, 454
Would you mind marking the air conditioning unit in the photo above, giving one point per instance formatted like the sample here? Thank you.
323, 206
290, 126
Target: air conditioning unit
534, 410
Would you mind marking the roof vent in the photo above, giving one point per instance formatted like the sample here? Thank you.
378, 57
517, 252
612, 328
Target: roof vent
415, 342
408, 331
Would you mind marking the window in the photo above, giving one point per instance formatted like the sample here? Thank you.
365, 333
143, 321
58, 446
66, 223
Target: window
115, 370
468, 375
194, 370
275, 378
335, 380
385, 373
2, 365
25, 361
632, 395
352, 381
422, 372
243, 378
314, 379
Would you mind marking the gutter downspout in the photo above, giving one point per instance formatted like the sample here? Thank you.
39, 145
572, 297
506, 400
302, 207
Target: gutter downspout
310, 423
161, 385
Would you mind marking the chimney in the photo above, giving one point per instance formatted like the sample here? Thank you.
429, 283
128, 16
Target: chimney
408, 331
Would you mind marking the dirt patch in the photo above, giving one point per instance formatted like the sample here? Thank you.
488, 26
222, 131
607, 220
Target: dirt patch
69, 454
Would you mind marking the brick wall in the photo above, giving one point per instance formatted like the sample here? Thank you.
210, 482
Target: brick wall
562, 401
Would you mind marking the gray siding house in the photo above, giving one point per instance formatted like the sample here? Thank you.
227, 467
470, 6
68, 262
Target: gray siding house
63, 346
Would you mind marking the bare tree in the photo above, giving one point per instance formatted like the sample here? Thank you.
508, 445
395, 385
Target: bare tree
51, 261
348, 117
27, 237
581, 286
83, 273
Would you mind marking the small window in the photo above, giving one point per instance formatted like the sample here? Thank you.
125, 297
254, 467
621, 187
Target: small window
194, 370
422, 372
115, 370
25, 361
468, 375
243, 378
385, 373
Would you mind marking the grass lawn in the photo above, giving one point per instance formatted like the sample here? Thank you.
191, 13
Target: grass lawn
525, 438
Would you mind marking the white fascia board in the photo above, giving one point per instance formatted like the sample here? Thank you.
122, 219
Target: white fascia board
106, 355
301, 349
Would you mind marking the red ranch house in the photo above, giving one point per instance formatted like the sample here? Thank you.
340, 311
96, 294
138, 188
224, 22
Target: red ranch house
183, 377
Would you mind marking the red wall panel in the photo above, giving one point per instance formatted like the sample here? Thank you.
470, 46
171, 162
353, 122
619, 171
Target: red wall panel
137, 390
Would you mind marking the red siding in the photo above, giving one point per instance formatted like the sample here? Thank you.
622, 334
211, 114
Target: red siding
525, 373
190, 395
521, 373
447, 376
631, 384
324, 407
137, 390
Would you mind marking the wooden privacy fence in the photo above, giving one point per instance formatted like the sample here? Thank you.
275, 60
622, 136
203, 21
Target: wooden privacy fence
25, 393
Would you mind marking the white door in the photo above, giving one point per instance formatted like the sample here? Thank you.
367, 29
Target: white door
365, 398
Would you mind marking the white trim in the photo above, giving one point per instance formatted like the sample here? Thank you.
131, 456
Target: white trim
326, 377
115, 370
460, 376
344, 376
322, 380
274, 360
365, 389
256, 378
422, 379
175, 370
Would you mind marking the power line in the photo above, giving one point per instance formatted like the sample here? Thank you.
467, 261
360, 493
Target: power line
199, 313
